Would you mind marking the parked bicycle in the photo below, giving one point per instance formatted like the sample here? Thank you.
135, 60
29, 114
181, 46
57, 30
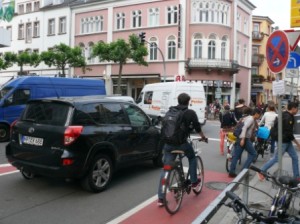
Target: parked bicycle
287, 188
176, 183
239, 206
230, 141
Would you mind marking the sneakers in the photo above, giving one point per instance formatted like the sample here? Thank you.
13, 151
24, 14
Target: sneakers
260, 177
232, 175
195, 185
160, 202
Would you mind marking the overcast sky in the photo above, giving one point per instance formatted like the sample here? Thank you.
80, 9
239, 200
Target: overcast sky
276, 10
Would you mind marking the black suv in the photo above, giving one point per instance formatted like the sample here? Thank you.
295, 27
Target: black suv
83, 138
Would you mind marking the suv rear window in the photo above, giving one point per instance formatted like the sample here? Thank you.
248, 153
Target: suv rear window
46, 113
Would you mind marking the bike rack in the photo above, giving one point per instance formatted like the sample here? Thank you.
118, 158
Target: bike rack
213, 207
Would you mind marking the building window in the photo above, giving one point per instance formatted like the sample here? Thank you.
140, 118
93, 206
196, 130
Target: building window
153, 49
21, 9
245, 55
136, 19
120, 21
36, 6
197, 46
35, 51
90, 59
254, 70
238, 52
172, 14
10, 31
62, 25
246, 26
153, 17
51, 27
99, 23
36, 29
212, 47
223, 48
171, 48
28, 7
28, 32
21, 32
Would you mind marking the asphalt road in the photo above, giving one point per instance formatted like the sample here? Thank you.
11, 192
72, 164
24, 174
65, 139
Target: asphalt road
44, 200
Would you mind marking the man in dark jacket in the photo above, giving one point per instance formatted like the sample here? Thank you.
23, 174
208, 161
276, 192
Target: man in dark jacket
191, 122
287, 141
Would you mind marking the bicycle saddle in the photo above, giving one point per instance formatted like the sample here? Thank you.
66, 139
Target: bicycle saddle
290, 181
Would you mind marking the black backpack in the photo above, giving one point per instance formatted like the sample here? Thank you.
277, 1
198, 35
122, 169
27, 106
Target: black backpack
274, 130
173, 129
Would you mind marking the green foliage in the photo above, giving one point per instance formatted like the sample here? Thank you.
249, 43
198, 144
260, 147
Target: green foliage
120, 51
62, 55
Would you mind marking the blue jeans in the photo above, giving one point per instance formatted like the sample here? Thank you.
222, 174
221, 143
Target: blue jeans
289, 148
272, 146
169, 157
237, 153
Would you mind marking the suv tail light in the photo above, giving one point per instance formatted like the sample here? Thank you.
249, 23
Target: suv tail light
71, 134
12, 125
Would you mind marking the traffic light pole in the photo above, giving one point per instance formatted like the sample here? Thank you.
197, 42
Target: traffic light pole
142, 37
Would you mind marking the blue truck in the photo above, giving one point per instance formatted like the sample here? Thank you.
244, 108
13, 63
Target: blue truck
15, 94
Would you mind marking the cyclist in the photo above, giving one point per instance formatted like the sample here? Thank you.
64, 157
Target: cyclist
228, 121
268, 120
191, 122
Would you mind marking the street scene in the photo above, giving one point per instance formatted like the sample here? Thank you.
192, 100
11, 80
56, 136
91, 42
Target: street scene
121, 111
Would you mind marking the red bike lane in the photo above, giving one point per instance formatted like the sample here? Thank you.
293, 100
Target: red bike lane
191, 205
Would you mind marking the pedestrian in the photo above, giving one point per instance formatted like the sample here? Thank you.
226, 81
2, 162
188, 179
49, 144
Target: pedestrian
287, 141
190, 122
238, 110
268, 120
244, 140
227, 121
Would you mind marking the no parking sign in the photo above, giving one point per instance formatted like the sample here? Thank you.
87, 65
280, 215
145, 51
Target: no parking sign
277, 51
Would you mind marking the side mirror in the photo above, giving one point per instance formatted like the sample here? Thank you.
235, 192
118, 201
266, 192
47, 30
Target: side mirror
6, 102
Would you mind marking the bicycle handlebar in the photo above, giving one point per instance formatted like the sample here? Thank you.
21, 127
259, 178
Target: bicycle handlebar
201, 139
237, 205
290, 183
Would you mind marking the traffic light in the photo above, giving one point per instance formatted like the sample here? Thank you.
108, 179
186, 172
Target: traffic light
142, 36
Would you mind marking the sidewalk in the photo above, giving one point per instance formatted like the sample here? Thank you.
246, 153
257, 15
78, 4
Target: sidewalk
257, 200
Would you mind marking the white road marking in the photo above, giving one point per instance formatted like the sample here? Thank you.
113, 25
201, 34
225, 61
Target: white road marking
5, 165
7, 173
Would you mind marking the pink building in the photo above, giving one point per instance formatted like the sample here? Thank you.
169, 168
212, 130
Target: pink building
207, 41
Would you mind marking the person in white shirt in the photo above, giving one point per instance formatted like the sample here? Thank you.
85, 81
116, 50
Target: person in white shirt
268, 120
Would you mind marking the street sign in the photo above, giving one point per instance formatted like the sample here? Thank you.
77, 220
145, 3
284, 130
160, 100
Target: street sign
278, 87
292, 73
277, 51
294, 60
294, 38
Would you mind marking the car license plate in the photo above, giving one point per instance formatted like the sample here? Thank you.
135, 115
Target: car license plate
33, 141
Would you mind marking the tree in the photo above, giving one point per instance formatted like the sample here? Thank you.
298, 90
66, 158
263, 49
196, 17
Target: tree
62, 55
23, 58
119, 52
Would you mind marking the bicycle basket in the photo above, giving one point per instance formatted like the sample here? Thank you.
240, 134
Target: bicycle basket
231, 137
263, 132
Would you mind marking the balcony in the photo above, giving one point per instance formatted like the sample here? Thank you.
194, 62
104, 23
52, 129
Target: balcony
257, 59
257, 35
257, 79
212, 65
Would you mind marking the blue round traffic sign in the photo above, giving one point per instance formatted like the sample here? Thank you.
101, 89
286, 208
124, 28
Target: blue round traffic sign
277, 51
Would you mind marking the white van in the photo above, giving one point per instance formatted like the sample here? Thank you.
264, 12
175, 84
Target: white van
155, 99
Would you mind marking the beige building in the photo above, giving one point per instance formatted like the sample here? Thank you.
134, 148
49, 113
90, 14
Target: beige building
262, 77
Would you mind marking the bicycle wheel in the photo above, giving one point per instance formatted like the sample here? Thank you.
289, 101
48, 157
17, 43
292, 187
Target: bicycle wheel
200, 175
173, 191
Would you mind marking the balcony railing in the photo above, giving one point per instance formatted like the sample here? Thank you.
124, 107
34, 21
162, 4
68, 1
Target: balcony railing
257, 59
212, 64
257, 35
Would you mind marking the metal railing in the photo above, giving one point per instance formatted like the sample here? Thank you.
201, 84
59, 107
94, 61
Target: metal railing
213, 207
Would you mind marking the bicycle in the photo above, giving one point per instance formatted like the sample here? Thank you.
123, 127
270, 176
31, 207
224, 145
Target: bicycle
230, 141
175, 183
239, 206
262, 142
287, 188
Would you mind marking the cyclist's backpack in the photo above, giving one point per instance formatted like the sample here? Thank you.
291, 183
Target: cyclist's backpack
238, 128
173, 129
274, 130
